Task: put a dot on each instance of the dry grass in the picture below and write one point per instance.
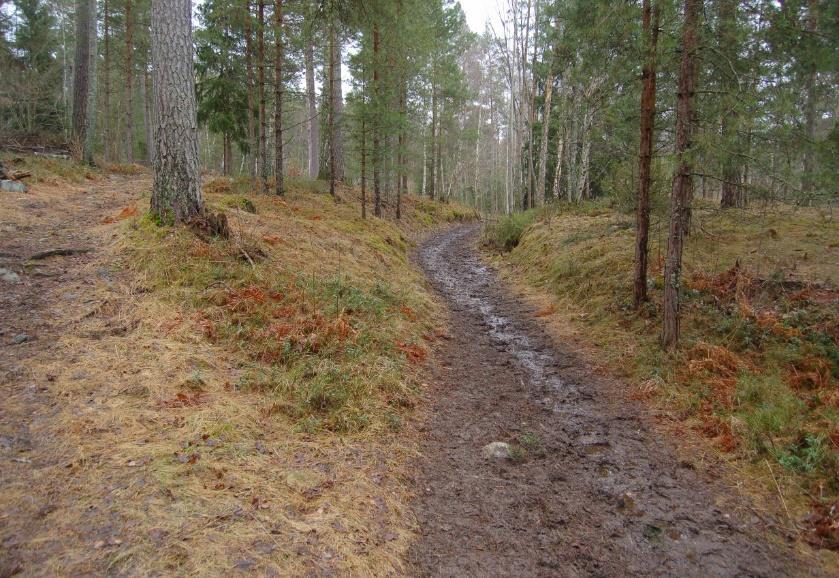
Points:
(757, 371)
(242, 405)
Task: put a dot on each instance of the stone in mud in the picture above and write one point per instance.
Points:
(302, 480)
(8, 186)
(496, 451)
(20, 338)
(9, 276)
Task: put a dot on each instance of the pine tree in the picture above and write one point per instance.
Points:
(683, 179)
(176, 194)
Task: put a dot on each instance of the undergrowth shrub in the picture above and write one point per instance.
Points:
(505, 234)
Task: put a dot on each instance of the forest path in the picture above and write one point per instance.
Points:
(49, 299)
(593, 490)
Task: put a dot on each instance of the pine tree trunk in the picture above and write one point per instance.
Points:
(176, 194)
(333, 170)
(129, 84)
(731, 195)
(263, 117)
(377, 193)
(808, 182)
(312, 123)
(543, 145)
(682, 181)
(645, 154)
(226, 155)
(583, 189)
(433, 165)
(363, 169)
(279, 186)
(252, 146)
(148, 116)
(336, 104)
(106, 88)
(83, 77)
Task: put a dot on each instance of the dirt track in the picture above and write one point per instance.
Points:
(593, 491)
(52, 295)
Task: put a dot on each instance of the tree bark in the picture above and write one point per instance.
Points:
(682, 181)
(730, 194)
(176, 193)
(808, 182)
(433, 165)
(148, 116)
(543, 145)
(377, 193)
(279, 184)
(106, 79)
(263, 117)
(645, 154)
(312, 123)
(84, 72)
(226, 155)
(336, 104)
(400, 174)
(363, 169)
(129, 84)
(252, 146)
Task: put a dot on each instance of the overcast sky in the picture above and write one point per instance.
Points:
(478, 11)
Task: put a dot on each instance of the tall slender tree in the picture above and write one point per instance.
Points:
(263, 117)
(682, 191)
(129, 83)
(650, 23)
(312, 124)
(84, 79)
(279, 183)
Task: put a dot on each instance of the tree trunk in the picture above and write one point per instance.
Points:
(731, 165)
(363, 169)
(400, 170)
(682, 181)
(808, 182)
(84, 78)
(312, 123)
(543, 145)
(226, 155)
(279, 185)
(645, 154)
(252, 146)
(129, 84)
(433, 166)
(583, 191)
(106, 89)
(176, 194)
(336, 103)
(148, 116)
(263, 117)
(377, 193)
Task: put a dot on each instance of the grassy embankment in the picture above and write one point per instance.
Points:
(244, 404)
(758, 364)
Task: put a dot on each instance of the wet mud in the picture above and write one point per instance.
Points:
(591, 488)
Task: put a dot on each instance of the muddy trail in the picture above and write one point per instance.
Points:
(591, 489)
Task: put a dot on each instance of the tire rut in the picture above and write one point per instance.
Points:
(597, 491)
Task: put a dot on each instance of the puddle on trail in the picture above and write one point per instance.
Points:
(470, 288)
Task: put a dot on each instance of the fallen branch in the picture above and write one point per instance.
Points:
(58, 252)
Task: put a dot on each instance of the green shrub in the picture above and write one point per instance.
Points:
(505, 234)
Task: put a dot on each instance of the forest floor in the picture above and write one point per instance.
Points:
(588, 485)
(179, 407)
